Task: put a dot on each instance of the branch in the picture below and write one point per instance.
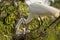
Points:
(57, 20)
(52, 23)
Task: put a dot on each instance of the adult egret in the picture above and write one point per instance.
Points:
(39, 8)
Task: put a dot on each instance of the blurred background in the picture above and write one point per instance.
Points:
(12, 10)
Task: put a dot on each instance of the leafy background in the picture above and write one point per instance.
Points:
(10, 13)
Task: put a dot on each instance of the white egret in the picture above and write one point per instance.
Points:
(39, 8)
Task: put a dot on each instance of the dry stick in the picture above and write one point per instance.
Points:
(52, 23)
(50, 26)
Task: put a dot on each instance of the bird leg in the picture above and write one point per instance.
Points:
(19, 23)
(30, 17)
(24, 30)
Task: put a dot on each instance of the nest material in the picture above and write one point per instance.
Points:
(18, 37)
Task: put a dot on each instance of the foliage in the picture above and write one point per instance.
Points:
(9, 16)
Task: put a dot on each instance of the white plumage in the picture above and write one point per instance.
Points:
(40, 8)
(46, 2)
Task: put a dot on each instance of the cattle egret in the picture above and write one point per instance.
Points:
(40, 8)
